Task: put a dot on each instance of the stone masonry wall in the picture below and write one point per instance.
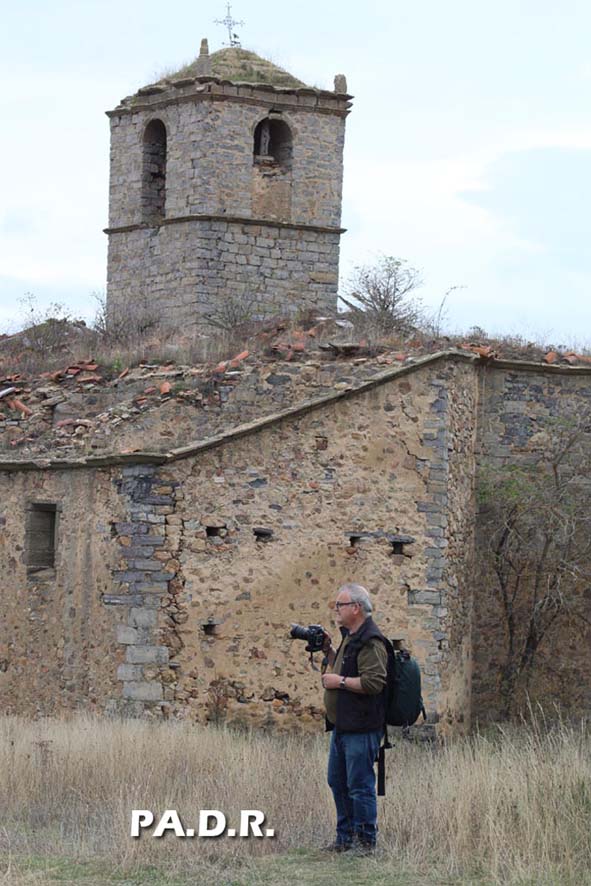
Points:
(175, 583)
(209, 161)
(180, 269)
(176, 273)
(142, 583)
(57, 641)
(187, 608)
(357, 468)
(515, 404)
(271, 192)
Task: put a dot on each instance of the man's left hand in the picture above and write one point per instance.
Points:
(331, 681)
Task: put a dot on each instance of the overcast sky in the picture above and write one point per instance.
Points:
(468, 149)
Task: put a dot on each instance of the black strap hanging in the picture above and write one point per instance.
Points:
(386, 745)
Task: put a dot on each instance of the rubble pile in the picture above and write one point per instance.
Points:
(86, 407)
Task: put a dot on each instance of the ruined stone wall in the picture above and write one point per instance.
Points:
(57, 641)
(359, 467)
(187, 608)
(123, 413)
(195, 259)
(175, 273)
(515, 406)
(166, 600)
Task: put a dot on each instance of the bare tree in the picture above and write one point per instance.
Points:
(382, 296)
(537, 524)
(124, 327)
(236, 314)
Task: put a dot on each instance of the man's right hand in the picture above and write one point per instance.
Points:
(327, 645)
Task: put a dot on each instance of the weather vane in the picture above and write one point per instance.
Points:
(230, 24)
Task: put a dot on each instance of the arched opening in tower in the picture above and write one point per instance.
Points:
(272, 170)
(154, 172)
(273, 142)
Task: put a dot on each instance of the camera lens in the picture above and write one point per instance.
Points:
(299, 632)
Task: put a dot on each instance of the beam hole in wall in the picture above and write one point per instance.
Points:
(262, 534)
(273, 142)
(154, 172)
(41, 535)
(400, 545)
(215, 531)
(210, 627)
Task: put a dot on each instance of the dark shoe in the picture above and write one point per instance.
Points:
(364, 849)
(337, 847)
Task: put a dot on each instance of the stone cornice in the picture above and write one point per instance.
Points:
(546, 368)
(200, 89)
(231, 219)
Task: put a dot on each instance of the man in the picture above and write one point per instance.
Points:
(355, 712)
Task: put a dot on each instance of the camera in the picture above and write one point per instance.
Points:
(313, 635)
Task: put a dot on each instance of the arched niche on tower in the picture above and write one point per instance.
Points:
(154, 144)
(272, 168)
(273, 142)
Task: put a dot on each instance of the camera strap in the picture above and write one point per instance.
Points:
(386, 745)
(381, 773)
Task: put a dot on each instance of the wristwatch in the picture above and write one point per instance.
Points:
(342, 684)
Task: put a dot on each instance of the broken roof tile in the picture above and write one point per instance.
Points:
(14, 403)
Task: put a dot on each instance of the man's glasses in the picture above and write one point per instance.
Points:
(340, 605)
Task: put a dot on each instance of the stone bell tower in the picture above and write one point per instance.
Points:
(225, 187)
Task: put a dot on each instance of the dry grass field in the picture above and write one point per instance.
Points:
(505, 807)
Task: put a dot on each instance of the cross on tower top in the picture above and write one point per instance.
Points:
(230, 24)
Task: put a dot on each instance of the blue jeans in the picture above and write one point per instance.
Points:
(352, 779)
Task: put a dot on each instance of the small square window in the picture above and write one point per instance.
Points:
(40, 536)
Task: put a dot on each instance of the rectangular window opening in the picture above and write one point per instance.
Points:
(40, 537)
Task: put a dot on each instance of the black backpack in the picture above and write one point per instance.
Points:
(404, 702)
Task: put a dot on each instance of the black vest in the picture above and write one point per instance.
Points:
(357, 712)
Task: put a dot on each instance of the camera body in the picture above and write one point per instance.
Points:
(313, 635)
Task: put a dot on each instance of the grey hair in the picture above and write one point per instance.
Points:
(358, 595)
